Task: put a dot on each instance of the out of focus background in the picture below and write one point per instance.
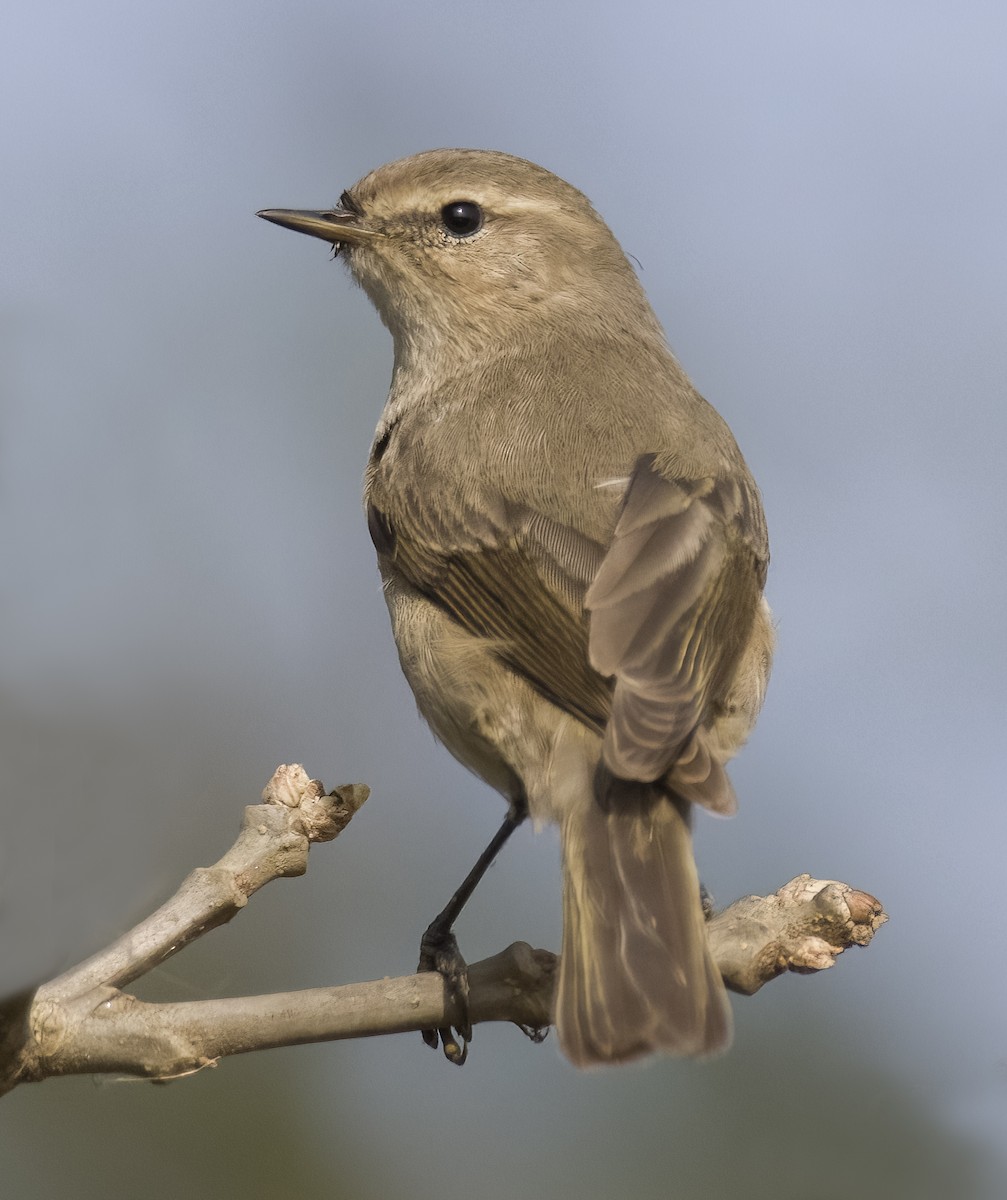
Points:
(815, 195)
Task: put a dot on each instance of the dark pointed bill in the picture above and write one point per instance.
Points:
(335, 226)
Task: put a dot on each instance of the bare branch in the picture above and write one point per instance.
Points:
(163, 1041)
(803, 927)
(51, 1033)
(82, 1023)
(273, 843)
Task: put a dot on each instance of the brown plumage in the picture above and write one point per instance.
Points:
(573, 552)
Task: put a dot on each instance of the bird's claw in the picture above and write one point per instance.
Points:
(439, 952)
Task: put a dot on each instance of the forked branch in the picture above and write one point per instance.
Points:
(84, 1023)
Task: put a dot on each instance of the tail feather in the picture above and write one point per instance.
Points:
(636, 976)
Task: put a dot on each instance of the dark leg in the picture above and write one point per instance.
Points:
(439, 950)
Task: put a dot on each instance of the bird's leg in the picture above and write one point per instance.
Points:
(439, 949)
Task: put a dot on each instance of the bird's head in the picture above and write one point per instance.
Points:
(470, 245)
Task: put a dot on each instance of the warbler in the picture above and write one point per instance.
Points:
(573, 554)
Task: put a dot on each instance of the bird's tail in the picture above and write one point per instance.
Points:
(636, 975)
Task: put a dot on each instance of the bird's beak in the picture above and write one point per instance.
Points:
(336, 226)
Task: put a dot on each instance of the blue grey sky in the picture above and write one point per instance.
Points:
(815, 195)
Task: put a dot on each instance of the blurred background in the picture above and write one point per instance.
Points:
(816, 197)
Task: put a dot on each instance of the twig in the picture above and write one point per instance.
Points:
(83, 1023)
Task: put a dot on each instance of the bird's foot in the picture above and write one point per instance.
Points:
(439, 952)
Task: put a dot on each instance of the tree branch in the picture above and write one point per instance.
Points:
(83, 1023)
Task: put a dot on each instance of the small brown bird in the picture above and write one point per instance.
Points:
(573, 553)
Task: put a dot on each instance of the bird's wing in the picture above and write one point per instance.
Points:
(671, 610)
(668, 605)
(520, 586)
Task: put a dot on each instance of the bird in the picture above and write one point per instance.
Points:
(573, 553)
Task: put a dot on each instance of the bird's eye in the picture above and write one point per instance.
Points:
(462, 218)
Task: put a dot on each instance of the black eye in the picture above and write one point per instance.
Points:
(462, 218)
